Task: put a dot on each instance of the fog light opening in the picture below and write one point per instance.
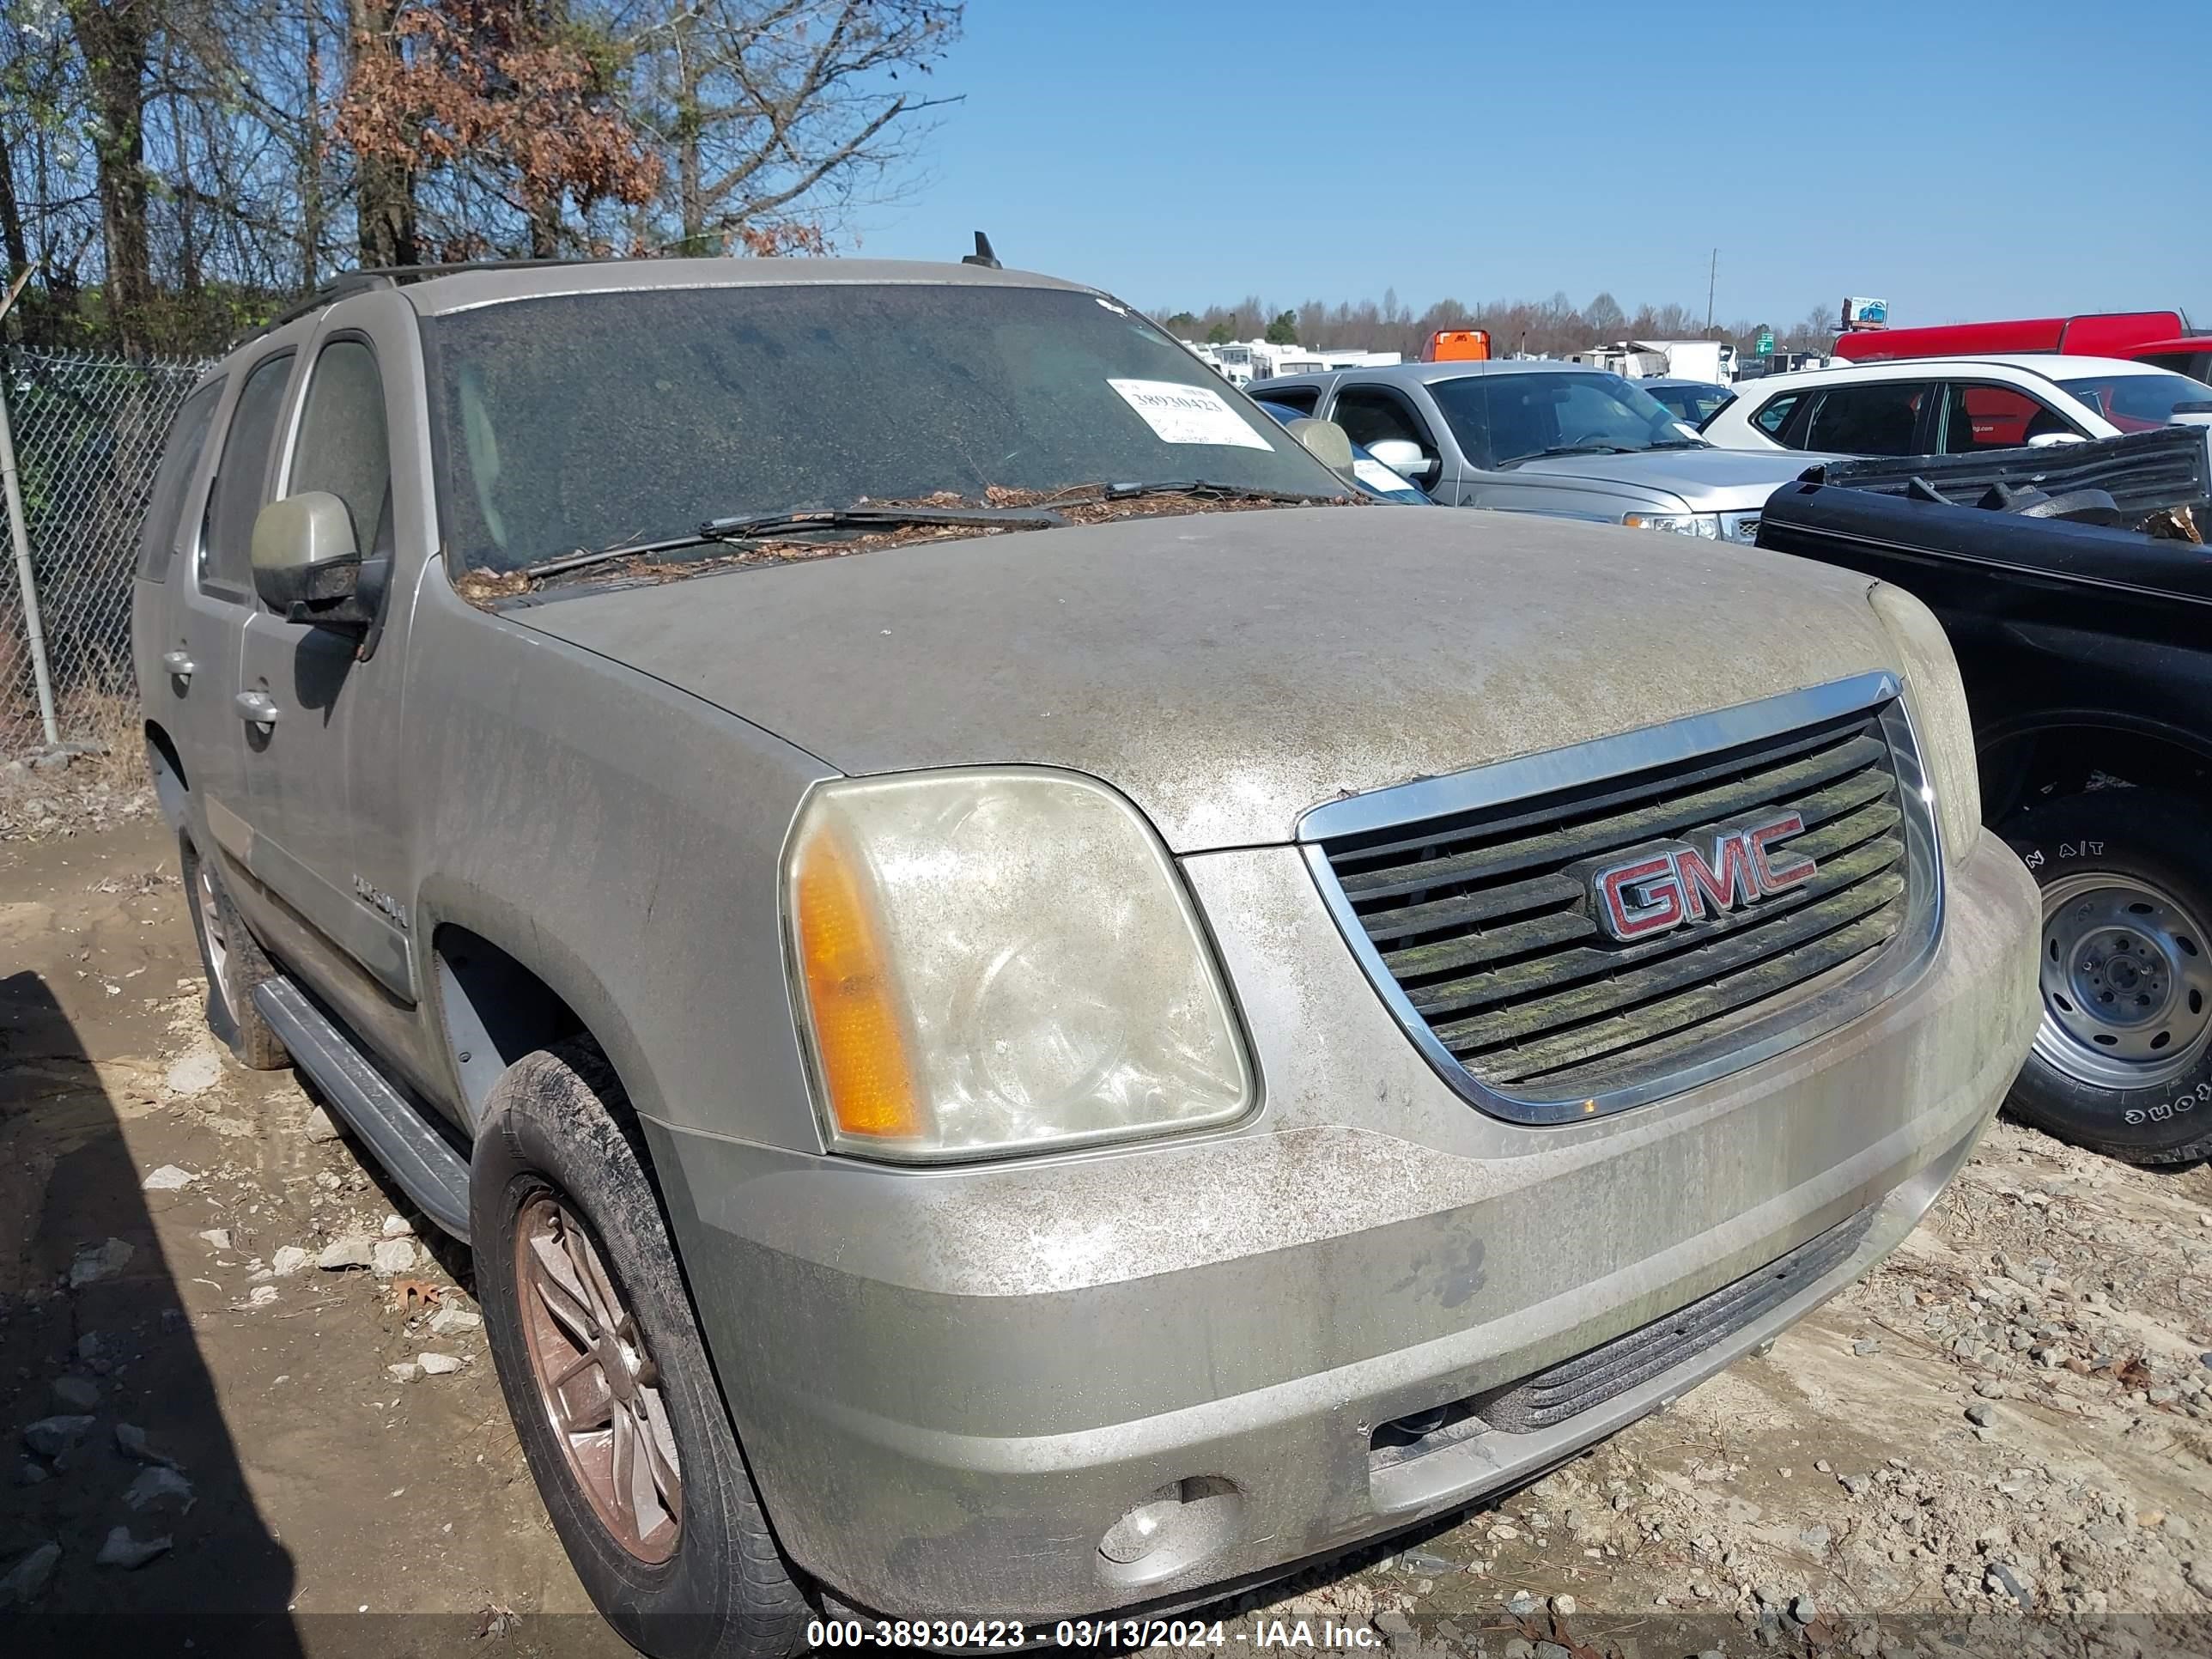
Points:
(1177, 1527)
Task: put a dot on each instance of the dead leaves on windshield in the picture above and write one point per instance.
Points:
(486, 589)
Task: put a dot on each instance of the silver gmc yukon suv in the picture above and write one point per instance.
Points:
(1028, 1008)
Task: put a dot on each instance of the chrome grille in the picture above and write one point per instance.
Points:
(1479, 926)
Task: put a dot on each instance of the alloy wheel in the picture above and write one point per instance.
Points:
(596, 1380)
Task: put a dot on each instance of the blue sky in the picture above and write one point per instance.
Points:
(1959, 159)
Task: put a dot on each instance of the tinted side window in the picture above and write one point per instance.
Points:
(1868, 420)
(1300, 397)
(227, 537)
(1771, 419)
(342, 447)
(180, 459)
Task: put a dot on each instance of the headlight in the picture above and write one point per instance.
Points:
(1000, 960)
(1940, 719)
(1683, 524)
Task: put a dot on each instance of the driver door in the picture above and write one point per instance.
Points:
(305, 686)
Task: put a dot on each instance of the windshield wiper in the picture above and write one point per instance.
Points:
(757, 527)
(1681, 443)
(1585, 449)
(1199, 487)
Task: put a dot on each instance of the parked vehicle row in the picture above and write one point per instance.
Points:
(1547, 438)
(1018, 993)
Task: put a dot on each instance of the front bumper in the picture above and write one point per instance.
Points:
(951, 1384)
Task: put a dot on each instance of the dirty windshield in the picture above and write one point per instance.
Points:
(594, 421)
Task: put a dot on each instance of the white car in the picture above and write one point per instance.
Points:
(1955, 405)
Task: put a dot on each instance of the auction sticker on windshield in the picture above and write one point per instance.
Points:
(1180, 414)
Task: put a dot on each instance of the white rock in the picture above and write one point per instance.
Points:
(260, 1297)
(446, 1321)
(398, 1226)
(393, 1255)
(354, 1252)
(157, 1485)
(437, 1364)
(195, 1074)
(168, 1179)
(217, 1239)
(97, 1262)
(122, 1550)
(405, 1371)
(317, 1126)
(27, 1579)
(288, 1258)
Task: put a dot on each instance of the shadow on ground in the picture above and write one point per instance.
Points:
(121, 1445)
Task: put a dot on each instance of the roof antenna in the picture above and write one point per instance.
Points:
(983, 256)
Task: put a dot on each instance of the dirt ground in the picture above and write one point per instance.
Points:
(2012, 1412)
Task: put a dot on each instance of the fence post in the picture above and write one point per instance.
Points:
(34, 635)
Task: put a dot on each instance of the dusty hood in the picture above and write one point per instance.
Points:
(1709, 480)
(1230, 670)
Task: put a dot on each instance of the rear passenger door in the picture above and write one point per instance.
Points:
(212, 597)
(172, 509)
(1872, 417)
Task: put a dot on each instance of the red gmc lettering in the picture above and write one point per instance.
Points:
(1660, 888)
(1793, 867)
(1640, 898)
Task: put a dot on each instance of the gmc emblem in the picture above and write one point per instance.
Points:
(1663, 886)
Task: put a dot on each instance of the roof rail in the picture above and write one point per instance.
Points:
(369, 278)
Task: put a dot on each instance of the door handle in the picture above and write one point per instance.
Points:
(256, 707)
(179, 664)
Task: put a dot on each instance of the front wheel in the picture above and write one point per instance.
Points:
(606, 1374)
(2123, 1056)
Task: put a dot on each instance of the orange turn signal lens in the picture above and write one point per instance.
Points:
(859, 1046)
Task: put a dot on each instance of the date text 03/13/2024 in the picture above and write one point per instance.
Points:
(973, 1634)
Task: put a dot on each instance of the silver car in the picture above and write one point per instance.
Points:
(1028, 1011)
(1544, 437)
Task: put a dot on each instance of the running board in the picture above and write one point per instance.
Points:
(411, 1151)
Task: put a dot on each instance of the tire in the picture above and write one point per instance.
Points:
(233, 963)
(2126, 877)
(556, 1157)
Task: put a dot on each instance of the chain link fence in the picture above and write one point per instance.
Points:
(88, 430)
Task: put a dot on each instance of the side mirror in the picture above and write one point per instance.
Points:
(306, 566)
(1407, 458)
(1326, 441)
(2053, 439)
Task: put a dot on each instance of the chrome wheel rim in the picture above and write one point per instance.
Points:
(218, 945)
(597, 1384)
(2126, 975)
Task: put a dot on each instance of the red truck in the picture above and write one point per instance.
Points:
(2151, 336)
(2160, 338)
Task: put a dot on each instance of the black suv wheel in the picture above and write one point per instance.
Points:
(2123, 1058)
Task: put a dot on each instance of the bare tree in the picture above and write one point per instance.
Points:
(780, 116)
